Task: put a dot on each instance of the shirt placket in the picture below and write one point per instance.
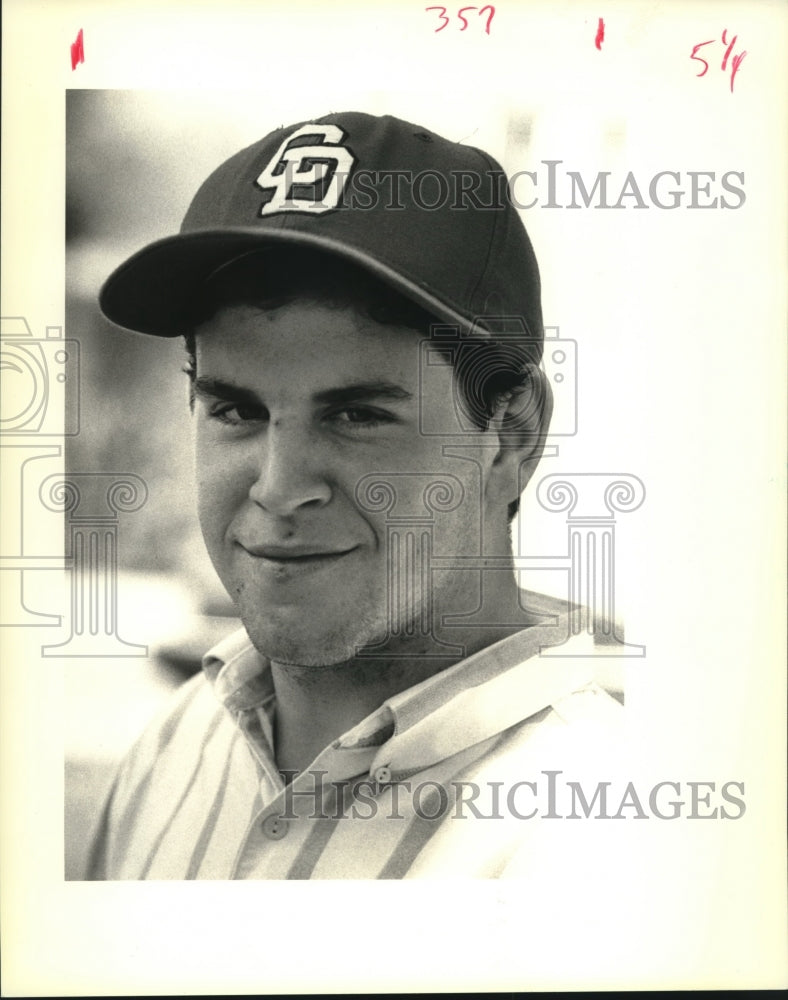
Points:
(278, 834)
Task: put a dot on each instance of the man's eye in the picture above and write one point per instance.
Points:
(361, 416)
(237, 413)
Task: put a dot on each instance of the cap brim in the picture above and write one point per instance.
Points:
(154, 291)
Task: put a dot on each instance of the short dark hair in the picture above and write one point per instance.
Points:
(487, 373)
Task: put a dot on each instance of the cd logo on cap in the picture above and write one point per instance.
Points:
(308, 172)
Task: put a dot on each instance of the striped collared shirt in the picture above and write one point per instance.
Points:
(407, 793)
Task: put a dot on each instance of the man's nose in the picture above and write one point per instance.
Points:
(290, 474)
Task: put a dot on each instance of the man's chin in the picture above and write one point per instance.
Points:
(308, 657)
(325, 650)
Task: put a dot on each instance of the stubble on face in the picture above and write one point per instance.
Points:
(295, 642)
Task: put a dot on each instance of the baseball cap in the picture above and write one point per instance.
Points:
(430, 217)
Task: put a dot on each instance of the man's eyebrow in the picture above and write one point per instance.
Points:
(342, 395)
(218, 389)
(362, 391)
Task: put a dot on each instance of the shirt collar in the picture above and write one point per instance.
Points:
(240, 676)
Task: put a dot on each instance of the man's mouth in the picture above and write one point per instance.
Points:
(296, 555)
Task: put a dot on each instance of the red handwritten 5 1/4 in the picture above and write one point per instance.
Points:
(735, 62)
(446, 19)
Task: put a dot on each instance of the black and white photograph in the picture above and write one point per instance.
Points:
(393, 432)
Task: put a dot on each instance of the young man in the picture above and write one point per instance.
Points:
(360, 303)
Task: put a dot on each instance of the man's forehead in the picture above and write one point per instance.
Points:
(323, 326)
(306, 342)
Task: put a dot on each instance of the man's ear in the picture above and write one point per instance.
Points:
(521, 422)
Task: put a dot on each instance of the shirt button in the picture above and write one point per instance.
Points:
(274, 827)
(382, 775)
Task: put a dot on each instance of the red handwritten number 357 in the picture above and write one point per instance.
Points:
(461, 16)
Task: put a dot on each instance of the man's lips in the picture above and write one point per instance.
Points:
(296, 553)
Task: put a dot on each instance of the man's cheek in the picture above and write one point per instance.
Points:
(214, 506)
(459, 532)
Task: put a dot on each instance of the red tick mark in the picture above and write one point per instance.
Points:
(600, 34)
(77, 51)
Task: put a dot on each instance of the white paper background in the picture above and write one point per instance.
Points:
(681, 315)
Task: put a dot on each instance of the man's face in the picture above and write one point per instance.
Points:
(294, 408)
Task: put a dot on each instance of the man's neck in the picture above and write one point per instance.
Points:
(316, 705)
